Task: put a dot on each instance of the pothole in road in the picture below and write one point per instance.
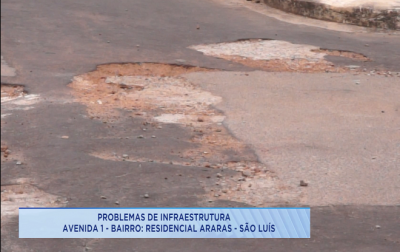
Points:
(279, 56)
(14, 97)
(11, 92)
(140, 89)
(159, 93)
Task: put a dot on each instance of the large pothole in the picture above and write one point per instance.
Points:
(141, 88)
(281, 56)
(160, 94)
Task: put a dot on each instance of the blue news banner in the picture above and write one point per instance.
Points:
(164, 222)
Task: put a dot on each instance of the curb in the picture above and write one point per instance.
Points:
(362, 16)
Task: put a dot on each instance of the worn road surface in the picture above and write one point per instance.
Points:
(78, 131)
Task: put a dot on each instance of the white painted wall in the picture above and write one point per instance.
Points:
(384, 4)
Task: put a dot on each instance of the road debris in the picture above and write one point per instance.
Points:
(4, 148)
(247, 173)
(302, 183)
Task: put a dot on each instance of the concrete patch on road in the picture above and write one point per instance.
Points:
(6, 70)
(280, 56)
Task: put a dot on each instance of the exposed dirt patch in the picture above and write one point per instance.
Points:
(157, 93)
(280, 56)
(296, 65)
(11, 92)
(5, 152)
(4, 147)
(14, 97)
(139, 88)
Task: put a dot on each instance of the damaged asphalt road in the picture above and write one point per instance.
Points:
(78, 149)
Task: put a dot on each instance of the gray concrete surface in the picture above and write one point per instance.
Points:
(338, 132)
(6, 70)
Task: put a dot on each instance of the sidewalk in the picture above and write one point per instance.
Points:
(368, 13)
